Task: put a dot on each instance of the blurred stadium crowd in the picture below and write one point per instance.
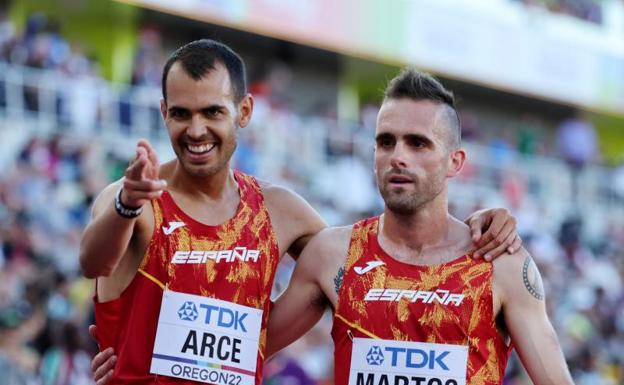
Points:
(588, 10)
(45, 195)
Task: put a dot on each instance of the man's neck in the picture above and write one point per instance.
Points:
(211, 188)
(430, 235)
(427, 227)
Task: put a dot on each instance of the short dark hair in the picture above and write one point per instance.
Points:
(416, 85)
(199, 57)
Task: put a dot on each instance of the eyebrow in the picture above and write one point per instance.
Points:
(209, 107)
(413, 137)
(418, 137)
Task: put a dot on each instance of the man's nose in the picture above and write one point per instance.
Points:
(397, 158)
(197, 128)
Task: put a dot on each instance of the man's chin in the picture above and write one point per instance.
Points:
(201, 170)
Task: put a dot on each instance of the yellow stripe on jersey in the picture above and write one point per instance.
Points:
(152, 278)
(371, 335)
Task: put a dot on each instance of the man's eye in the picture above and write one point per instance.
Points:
(213, 112)
(385, 142)
(177, 114)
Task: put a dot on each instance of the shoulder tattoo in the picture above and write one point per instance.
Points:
(532, 279)
(338, 280)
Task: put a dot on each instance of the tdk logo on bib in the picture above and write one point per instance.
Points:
(375, 356)
(214, 315)
(224, 317)
(418, 358)
(383, 362)
(188, 311)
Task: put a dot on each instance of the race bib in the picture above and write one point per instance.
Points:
(206, 340)
(375, 362)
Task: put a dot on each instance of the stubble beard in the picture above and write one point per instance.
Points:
(403, 202)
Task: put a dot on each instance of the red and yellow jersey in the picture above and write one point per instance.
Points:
(446, 305)
(234, 262)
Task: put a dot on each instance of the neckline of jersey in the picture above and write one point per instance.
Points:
(242, 192)
(390, 260)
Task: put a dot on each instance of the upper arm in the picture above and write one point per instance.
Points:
(300, 306)
(294, 220)
(309, 291)
(518, 281)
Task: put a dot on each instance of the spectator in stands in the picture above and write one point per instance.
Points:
(578, 145)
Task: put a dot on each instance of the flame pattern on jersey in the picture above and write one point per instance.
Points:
(234, 279)
(470, 323)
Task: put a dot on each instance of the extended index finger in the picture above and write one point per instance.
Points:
(152, 156)
(137, 166)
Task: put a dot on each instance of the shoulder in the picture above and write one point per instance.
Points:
(333, 239)
(508, 264)
(277, 196)
(517, 276)
(328, 247)
(286, 206)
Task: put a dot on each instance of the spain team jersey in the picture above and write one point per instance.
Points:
(397, 323)
(214, 284)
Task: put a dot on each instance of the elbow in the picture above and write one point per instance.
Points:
(89, 270)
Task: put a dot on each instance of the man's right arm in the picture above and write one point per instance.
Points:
(107, 237)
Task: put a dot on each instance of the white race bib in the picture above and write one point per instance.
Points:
(375, 362)
(206, 339)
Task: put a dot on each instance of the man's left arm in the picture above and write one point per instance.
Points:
(494, 233)
(518, 285)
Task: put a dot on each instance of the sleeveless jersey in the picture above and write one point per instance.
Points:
(385, 299)
(242, 258)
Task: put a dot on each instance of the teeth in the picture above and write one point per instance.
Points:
(200, 148)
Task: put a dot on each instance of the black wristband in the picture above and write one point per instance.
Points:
(126, 211)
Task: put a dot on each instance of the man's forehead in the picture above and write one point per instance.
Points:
(214, 85)
(404, 114)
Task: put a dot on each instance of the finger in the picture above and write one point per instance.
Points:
(500, 250)
(104, 380)
(146, 185)
(496, 224)
(137, 166)
(93, 332)
(152, 156)
(475, 230)
(100, 358)
(103, 370)
(506, 233)
(515, 246)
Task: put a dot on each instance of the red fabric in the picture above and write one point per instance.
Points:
(471, 323)
(129, 323)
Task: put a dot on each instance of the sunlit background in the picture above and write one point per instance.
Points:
(540, 85)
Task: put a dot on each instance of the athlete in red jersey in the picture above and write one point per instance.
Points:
(206, 236)
(186, 252)
(410, 304)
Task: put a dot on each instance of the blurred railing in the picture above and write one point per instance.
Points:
(280, 142)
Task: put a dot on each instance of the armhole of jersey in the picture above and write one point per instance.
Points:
(346, 271)
(254, 184)
(157, 225)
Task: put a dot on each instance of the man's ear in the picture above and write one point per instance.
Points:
(163, 108)
(245, 110)
(457, 159)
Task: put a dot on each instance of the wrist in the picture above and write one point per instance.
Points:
(125, 210)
